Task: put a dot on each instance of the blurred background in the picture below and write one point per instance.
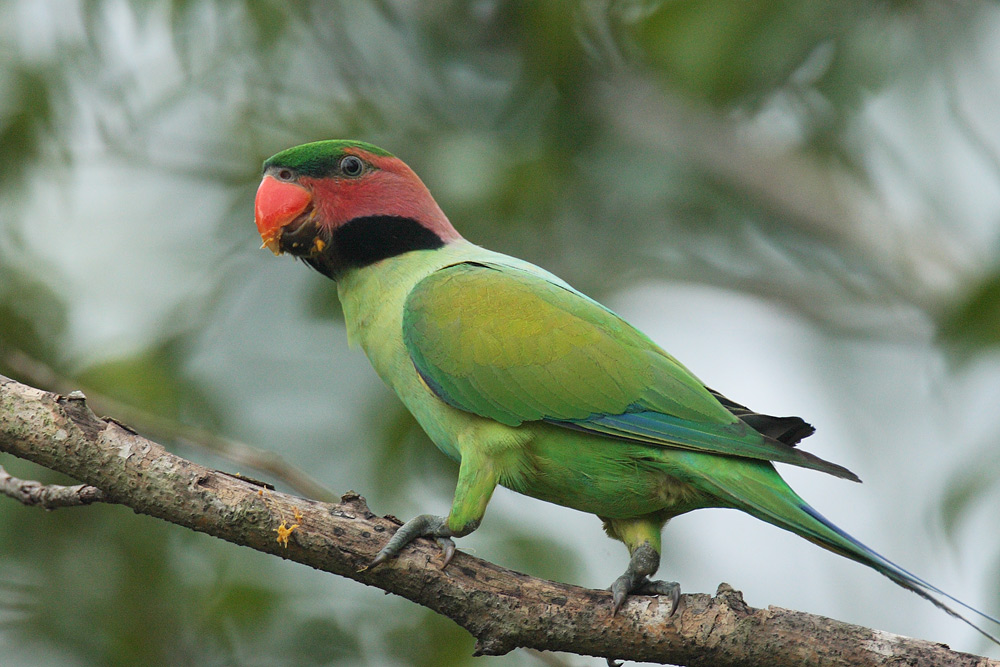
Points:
(800, 200)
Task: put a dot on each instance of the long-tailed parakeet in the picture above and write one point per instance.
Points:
(528, 383)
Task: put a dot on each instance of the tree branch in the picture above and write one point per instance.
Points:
(503, 609)
(47, 496)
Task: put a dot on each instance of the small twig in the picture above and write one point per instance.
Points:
(48, 496)
(168, 429)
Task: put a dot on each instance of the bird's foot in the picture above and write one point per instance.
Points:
(644, 562)
(660, 587)
(626, 585)
(424, 525)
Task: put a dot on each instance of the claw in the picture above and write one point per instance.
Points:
(619, 591)
(671, 588)
(447, 549)
(380, 558)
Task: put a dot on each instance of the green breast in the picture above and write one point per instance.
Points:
(372, 299)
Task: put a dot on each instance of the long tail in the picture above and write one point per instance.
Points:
(769, 498)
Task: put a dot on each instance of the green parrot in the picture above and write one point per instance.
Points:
(528, 383)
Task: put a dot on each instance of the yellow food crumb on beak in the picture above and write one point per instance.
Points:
(272, 243)
(318, 245)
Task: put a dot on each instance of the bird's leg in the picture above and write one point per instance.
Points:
(472, 493)
(644, 562)
(642, 537)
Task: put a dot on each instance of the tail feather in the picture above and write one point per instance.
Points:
(788, 430)
(770, 499)
(863, 554)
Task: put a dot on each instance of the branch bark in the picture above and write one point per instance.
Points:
(503, 609)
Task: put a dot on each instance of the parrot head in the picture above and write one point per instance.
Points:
(340, 205)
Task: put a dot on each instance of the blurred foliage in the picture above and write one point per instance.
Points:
(403, 451)
(33, 316)
(28, 114)
(152, 381)
(732, 52)
(432, 640)
(965, 494)
(777, 149)
(974, 324)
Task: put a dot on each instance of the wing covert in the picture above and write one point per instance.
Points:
(514, 346)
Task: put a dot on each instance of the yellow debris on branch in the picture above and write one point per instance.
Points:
(285, 530)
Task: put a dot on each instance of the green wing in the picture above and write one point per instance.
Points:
(514, 346)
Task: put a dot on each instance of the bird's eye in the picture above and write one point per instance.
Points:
(284, 174)
(352, 166)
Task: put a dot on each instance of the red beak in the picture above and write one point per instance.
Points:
(277, 204)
